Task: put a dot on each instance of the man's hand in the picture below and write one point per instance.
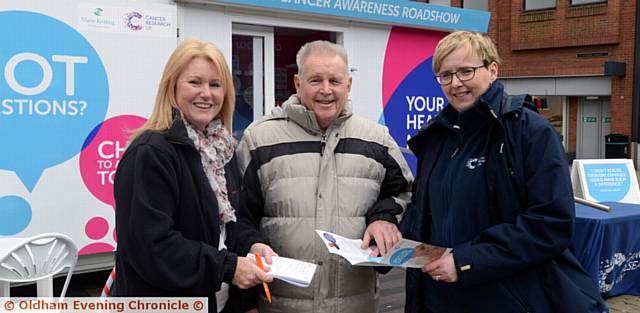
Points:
(386, 235)
(264, 250)
(443, 269)
(248, 274)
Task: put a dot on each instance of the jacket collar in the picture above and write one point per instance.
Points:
(177, 133)
(304, 117)
(490, 102)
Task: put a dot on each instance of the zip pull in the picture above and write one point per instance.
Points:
(501, 147)
(453, 155)
(458, 133)
(323, 143)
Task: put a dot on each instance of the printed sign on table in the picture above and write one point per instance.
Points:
(605, 180)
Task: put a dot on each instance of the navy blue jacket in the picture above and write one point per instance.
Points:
(522, 263)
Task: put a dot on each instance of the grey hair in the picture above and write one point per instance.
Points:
(321, 46)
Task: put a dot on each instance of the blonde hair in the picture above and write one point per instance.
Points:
(321, 46)
(478, 43)
(162, 117)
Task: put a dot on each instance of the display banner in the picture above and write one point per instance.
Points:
(605, 180)
(394, 12)
(410, 93)
(76, 78)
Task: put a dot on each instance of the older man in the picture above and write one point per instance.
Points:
(312, 164)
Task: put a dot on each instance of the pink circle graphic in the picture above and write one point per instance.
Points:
(96, 228)
(97, 247)
(102, 151)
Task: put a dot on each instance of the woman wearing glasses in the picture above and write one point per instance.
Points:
(493, 184)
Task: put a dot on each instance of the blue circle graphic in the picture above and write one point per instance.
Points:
(401, 256)
(607, 182)
(16, 215)
(329, 237)
(53, 91)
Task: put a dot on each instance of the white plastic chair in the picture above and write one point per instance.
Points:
(36, 259)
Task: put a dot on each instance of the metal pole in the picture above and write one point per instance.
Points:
(593, 204)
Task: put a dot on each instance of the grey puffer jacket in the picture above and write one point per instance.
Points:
(297, 179)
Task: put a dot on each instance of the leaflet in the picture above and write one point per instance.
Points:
(405, 253)
(292, 271)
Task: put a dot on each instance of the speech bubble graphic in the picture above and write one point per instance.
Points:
(102, 152)
(53, 91)
(16, 215)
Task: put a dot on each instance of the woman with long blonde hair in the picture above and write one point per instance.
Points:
(181, 230)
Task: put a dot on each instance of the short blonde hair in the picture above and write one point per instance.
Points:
(162, 117)
(478, 43)
(321, 46)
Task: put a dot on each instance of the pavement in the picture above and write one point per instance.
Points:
(392, 296)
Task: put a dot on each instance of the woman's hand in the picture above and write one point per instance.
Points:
(264, 250)
(248, 274)
(443, 269)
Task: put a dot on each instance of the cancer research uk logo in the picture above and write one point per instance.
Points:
(133, 20)
(136, 21)
(53, 92)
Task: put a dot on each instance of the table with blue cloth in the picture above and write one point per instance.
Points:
(608, 246)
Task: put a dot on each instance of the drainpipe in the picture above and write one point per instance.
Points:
(635, 101)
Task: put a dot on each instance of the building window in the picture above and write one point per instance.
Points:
(578, 2)
(446, 3)
(551, 108)
(539, 4)
(482, 5)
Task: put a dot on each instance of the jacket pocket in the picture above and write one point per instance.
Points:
(514, 295)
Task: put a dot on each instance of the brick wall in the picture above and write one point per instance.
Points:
(573, 124)
(547, 43)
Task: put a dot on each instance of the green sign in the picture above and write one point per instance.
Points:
(607, 119)
(589, 119)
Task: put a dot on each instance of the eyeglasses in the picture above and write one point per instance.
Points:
(463, 74)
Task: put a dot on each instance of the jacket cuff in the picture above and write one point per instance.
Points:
(385, 210)
(230, 263)
(382, 217)
(463, 261)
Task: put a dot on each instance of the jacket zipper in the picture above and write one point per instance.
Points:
(323, 143)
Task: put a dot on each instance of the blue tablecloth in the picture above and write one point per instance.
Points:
(608, 246)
